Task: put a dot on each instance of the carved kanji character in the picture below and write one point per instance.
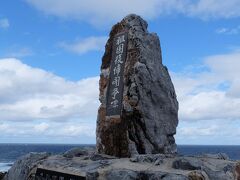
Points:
(120, 39)
(114, 93)
(116, 81)
(117, 69)
(119, 49)
(118, 59)
(114, 103)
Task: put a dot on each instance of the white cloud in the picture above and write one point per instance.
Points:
(28, 94)
(229, 31)
(211, 132)
(105, 12)
(86, 45)
(206, 9)
(3, 127)
(198, 131)
(51, 106)
(41, 127)
(36, 103)
(49, 129)
(77, 130)
(211, 94)
(96, 12)
(4, 23)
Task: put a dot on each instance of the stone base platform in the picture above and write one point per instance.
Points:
(78, 164)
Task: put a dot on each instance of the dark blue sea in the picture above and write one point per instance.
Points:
(10, 152)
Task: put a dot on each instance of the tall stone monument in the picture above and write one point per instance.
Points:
(139, 110)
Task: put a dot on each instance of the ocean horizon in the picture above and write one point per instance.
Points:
(10, 152)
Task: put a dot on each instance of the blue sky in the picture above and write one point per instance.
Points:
(50, 57)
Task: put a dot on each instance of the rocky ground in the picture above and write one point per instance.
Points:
(2, 174)
(88, 164)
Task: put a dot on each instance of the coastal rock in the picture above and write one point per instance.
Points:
(150, 158)
(96, 157)
(149, 117)
(143, 167)
(198, 175)
(143, 175)
(76, 152)
(214, 168)
(2, 174)
(237, 171)
(216, 156)
(23, 166)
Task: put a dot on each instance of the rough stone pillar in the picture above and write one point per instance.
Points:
(149, 110)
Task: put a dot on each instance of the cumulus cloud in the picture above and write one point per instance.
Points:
(34, 102)
(28, 94)
(86, 45)
(37, 103)
(4, 23)
(206, 9)
(49, 129)
(96, 12)
(107, 11)
(3, 127)
(211, 132)
(211, 94)
(41, 127)
(199, 131)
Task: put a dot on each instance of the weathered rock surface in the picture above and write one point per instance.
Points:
(75, 152)
(22, 168)
(93, 166)
(150, 108)
(2, 174)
